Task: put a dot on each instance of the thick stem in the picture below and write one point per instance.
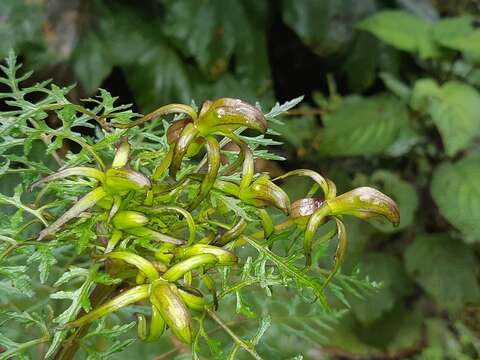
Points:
(70, 346)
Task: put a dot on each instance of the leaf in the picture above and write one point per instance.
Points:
(297, 131)
(445, 268)
(404, 31)
(455, 189)
(387, 270)
(21, 23)
(91, 61)
(280, 109)
(18, 278)
(454, 110)
(79, 299)
(154, 70)
(361, 63)
(364, 126)
(46, 259)
(326, 26)
(458, 33)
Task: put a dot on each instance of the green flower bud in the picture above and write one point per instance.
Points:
(153, 235)
(145, 266)
(193, 301)
(121, 156)
(167, 299)
(224, 257)
(157, 326)
(127, 219)
(232, 234)
(75, 171)
(180, 269)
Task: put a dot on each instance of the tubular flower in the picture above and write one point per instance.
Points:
(169, 301)
(113, 183)
(362, 202)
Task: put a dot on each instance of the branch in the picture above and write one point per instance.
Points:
(244, 345)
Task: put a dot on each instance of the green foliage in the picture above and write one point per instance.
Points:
(124, 242)
(364, 126)
(445, 268)
(415, 35)
(461, 203)
(404, 118)
(453, 109)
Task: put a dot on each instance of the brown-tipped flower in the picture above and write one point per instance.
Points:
(119, 180)
(175, 129)
(364, 203)
(167, 299)
(83, 204)
(74, 171)
(264, 192)
(228, 114)
(302, 208)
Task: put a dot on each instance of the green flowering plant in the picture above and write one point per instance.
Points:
(171, 227)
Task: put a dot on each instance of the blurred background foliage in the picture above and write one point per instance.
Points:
(391, 99)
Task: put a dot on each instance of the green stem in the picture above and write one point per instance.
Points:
(244, 345)
(6, 355)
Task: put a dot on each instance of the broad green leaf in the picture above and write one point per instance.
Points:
(445, 268)
(458, 33)
(387, 270)
(361, 63)
(20, 23)
(396, 86)
(404, 31)
(154, 70)
(364, 126)
(456, 190)
(91, 61)
(326, 26)
(454, 111)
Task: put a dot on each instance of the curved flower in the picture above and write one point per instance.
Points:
(362, 202)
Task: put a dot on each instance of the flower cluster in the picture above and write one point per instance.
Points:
(163, 242)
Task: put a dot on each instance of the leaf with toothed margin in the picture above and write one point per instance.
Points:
(455, 189)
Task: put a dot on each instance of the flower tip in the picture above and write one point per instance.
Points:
(365, 202)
